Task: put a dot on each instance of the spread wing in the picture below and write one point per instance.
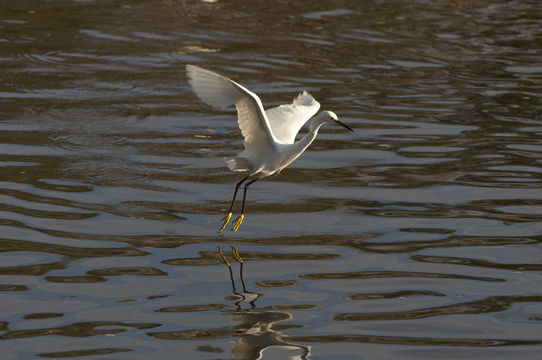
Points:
(287, 120)
(219, 91)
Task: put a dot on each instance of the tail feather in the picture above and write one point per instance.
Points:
(238, 164)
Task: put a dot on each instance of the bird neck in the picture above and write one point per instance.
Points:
(314, 125)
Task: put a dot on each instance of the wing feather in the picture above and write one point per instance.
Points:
(287, 120)
(221, 92)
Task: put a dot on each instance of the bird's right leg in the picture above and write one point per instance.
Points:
(227, 218)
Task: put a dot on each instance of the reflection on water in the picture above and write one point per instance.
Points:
(256, 329)
(418, 236)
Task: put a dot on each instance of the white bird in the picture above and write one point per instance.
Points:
(269, 136)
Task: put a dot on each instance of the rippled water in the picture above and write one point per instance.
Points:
(416, 237)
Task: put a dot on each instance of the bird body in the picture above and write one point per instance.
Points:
(268, 161)
(269, 136)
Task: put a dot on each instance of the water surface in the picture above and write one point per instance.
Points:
(416, 237)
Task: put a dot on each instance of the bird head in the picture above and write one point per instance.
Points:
(333, 118)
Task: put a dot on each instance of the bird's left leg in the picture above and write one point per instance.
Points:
(239, 220)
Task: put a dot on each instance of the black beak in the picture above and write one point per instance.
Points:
(344, 125)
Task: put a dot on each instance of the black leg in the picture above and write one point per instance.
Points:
(235, 192)
(245, 194)
(239, 220)
(227, 218)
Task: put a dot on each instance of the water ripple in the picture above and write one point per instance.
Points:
(424, 222)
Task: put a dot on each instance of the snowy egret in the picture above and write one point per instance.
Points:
(269, 135)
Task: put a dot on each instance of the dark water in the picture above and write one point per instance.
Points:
(416, 237)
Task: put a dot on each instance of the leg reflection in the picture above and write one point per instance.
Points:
(229, 268)
(239, 259)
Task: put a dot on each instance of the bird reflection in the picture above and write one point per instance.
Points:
(255, 327)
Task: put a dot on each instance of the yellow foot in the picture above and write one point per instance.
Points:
(236, 255)
(238, 222)
(226, 220)
(223, 257)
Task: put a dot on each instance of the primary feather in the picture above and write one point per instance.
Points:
(219, 91)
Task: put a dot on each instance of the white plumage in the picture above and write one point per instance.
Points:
(287, 120)
(269, 136)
